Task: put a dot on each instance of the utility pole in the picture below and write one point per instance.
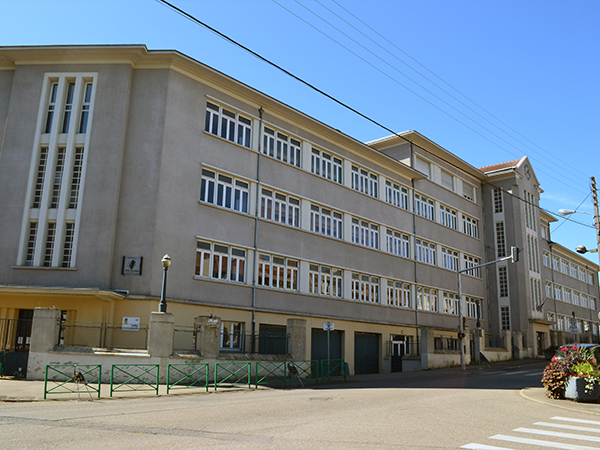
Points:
(596, 215)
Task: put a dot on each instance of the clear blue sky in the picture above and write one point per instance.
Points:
(532, 69)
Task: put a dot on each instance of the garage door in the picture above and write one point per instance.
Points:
(366, 353)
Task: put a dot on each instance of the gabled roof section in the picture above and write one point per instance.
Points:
(500, 166)
(522, 167)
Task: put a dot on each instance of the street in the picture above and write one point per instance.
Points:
(438, 409)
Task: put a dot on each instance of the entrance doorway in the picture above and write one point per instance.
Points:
(400, 346)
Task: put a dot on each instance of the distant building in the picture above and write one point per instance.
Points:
(112, 156)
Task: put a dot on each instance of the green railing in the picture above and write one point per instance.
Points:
(305, 371)
(272, 373)
(333, 369)
(234, 373)
(69, 378)
(133, 377)
(186, 376)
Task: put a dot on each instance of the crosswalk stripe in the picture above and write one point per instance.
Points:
(534, 374)
(541, 443)
(569, 419)
(568, 427)
(484, 447)
(514, 373)
(580, 437)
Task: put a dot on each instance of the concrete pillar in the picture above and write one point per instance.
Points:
(467, 344)
(160, 339)
(517, 344)
(427, 346)
(208, 339)
(45, 330)
(296, 330)
(478, 343)
(507, 338)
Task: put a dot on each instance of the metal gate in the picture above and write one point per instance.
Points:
(318, 351)
(15, 336)
(366, 353)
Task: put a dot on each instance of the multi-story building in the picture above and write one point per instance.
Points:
(112, 156)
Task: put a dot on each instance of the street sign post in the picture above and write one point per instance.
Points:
(328, 326)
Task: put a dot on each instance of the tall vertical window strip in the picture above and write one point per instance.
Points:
(280, 208)
(326, 165)
(67, 255)
(31, 239)
(58, 176)
(85, 107)
(281, 147)
(228, 125)
(40, 177)
(323, 280)
(68, 107)
(502, 281)
(365, 288)
(500, 240)
(498, 202)
(224, 191)
(364, 181)
(398, 243)
(504, 318)
(50, 239)
(424, 207)
(51, 107)
(76, 178)
(396, 195)
(398, 294)
(220, 262)
(277, 272)
(325, 221)
(365, 233)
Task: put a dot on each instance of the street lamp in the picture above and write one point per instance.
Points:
(166, 262)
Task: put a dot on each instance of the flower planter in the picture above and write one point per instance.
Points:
(575, 390)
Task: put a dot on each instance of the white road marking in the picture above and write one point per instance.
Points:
(484, 447)
(568, 427)
(503, 437)
(579, 437)
(569, 419)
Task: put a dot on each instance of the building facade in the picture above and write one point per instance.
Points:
(112, 156)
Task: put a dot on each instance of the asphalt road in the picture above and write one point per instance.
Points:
(439, 409)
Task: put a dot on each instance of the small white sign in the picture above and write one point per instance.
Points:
(328, 326)
(130, 324)
(132, 265)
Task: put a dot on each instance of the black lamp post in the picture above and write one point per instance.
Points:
(166, 262)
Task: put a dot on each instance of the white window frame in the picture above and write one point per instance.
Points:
(365, 288)
(325, 280)
(326, 221)
(365, 233)
(280, 208)
(399, 294)
(326, 165)
(277, 272)
(450, 259)
(424, 207)
(220, 261)
(396, 195)
(228, 125)
(398, 243)
(224, 190)
(364, 181)
(470, 226)
(448, 217)
(472, 261)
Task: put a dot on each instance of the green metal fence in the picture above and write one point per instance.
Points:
(133, 377)
(233, 373)
(186, 376)
(270, 373)
(333, 369)
(71, 378)
(305, 370)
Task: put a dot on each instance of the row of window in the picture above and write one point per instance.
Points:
(68, 107)
(228, 263)
(55, 247)
(565, 323)
(568, 268)
(572, 296)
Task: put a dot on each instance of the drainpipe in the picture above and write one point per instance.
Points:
(260, 128)
(412, 164)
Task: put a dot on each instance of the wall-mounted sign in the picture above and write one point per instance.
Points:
(130, 324)
(132, 265)
(328, 326)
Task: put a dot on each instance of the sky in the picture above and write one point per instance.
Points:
(490, 81)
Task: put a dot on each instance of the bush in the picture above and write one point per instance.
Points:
(554, 379)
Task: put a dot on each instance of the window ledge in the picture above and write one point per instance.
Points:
(67, 269)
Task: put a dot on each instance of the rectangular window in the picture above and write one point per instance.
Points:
(424, 207)
(365, 234)
(231, 335)
(398, 294)
(225, 191)
(564, 266)
(281, 147)
(68, 247)
(323, 280)
(280, 208)
(470, 227)
(58, 176)
(68, 107)
(584, 301)
(365, 288)
(470, 261)
(556, 263)
(31, 239)
(76, 178)
(546, 260)
(220, 262)
(498, 203)
(471, 306)
(364, 181)
(398, 243)
(590, 279)
(423, 167)
(277, 272)
(468, 192)
(85, 108)
(576, 298)
(557, 292)
(396, 195)
(500, 240)
(50, 239)
(447, 180)
(228, 125)
(40, 177)
(325, 221)
(427, 299)
(449, 259)
(502, 281)
(51, 107)
(448, 217)
(450, 303)
(425, 252)
(326, 165)
(504, 318)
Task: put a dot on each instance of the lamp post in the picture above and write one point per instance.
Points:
(166, 262)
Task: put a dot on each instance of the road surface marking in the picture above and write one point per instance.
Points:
(569, 419)
(568, 427)
(503, 437)
(580, 437)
